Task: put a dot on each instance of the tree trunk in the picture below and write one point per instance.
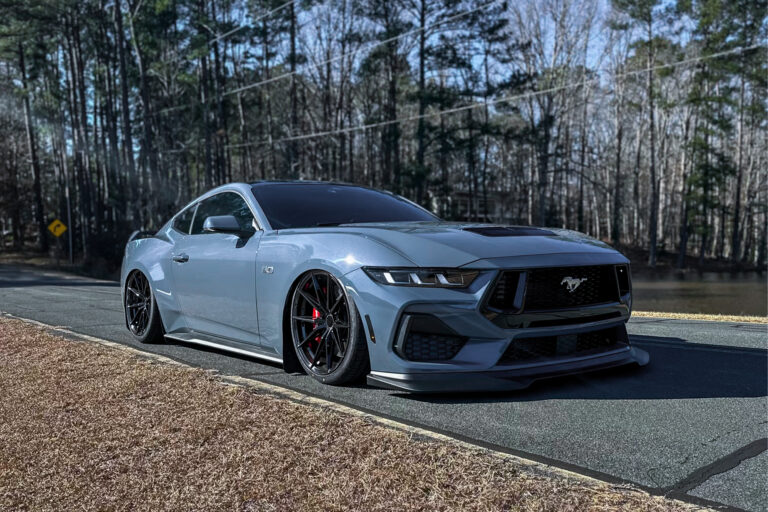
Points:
(131, 204)
(422, 126)
(393, 129)
(149, 154)
(32, 143)
(616, 226)
(293, 148)
(654, 199)
(735, 242)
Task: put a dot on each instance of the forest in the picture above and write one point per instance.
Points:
(640, 122)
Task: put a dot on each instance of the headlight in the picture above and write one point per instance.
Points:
(430, 277)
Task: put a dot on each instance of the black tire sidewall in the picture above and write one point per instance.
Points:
(154, 330)
(356, 356)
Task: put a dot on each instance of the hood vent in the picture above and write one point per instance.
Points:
(509, 231)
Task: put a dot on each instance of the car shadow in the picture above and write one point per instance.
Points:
(26, 277)
(274, 367)
(678, 369)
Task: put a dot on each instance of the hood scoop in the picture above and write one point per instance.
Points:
(509, 231)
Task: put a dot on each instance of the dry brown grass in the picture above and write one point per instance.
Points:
(87, 427)
(699, 316)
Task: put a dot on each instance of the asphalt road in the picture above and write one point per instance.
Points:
(693, 424)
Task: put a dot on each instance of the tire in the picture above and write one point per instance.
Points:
(141, 315)
(326, 331)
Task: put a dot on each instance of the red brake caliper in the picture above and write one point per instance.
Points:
(315, 316)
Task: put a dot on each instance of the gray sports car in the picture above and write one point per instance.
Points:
(341, 281)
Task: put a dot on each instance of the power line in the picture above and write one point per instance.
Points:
(224, 36)
(338, 57)
(497, 101)
(258, 19)
(380, 43)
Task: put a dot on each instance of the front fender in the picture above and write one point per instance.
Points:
(283, 258)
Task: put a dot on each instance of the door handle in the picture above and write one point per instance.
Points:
(181, 258)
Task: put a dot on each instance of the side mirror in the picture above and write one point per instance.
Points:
(225, 224)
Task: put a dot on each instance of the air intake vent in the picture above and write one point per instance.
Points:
(505, 297)
(509, 231)
(426, 338)
(622, 274)
(566, 345)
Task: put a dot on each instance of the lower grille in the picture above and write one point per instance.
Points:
(565, 345)
(574, 320)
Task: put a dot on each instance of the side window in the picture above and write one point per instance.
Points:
(226, 203)
(183, 221)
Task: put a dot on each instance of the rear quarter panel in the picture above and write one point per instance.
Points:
(152, 256)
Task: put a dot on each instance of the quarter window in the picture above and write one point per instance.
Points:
(225, 203)
(183, 221)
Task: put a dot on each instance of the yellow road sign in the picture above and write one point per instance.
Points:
(57, 227)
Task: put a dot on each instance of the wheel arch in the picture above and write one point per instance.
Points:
(290, 359)
(150, 256)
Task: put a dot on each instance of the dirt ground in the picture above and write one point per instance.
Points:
(88, 427)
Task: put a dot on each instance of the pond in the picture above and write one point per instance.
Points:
(710, 293)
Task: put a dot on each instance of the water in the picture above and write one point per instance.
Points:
(711, 293)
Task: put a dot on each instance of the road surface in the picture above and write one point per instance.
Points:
(692, 425)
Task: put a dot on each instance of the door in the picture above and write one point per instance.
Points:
(215, 273)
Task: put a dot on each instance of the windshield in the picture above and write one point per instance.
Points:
(300, 205)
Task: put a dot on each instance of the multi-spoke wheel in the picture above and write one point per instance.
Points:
(326, 330)
(141, 314)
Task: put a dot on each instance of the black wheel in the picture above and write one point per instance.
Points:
(325, 326)
(141, 313)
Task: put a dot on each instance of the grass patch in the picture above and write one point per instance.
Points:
(88, 427)
(700, 316)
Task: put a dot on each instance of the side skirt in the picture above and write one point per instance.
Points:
(224, 344)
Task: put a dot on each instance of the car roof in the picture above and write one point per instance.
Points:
(308, 182)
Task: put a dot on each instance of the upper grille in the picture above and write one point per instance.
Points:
(546, 288)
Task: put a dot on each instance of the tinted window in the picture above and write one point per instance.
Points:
(226, 203)
(183, 221)
(298, 205)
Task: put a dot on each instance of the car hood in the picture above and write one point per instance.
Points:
(446, 244)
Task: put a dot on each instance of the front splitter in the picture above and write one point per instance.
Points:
(506, 379)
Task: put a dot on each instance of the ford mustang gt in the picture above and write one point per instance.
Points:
(343, 281)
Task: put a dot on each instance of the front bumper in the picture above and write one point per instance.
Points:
(506, 379)
(480, 362)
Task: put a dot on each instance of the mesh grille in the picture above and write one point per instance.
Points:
(431, 347)
(548, 288)
(546, 347)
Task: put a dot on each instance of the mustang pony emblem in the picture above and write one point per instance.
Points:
(572, 282)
